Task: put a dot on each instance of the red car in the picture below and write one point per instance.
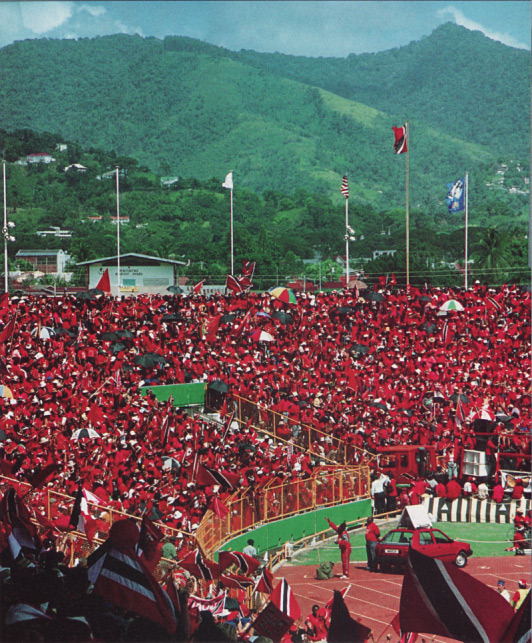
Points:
(392, 549)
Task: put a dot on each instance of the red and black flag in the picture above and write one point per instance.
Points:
(22, 533)
(401, 135)
(345, 188)
(283, 598)
(235, 581)
(265, 582)
(246, 563)
(438, 598)
(200, 567)
(209, 477)
(233, 284)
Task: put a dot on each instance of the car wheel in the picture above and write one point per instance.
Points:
(461, 559)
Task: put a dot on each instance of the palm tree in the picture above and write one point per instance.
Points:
(490, 255)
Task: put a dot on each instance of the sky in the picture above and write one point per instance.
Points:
(303, 28)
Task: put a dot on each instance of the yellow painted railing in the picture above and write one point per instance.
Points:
(327, 486)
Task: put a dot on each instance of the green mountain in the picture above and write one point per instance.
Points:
(191, 109)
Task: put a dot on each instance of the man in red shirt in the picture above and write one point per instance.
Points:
(316, 624)
(372, 536)
(344, 544)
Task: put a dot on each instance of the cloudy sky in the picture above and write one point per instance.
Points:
(302, 28)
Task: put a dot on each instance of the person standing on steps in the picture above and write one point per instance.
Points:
(344, 544)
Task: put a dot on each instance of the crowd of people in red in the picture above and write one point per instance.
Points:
(368, 372)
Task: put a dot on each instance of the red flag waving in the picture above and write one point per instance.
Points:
(283, 598)
(438, 598)
(200, 567)
(7, 330)
(401, 135)
(246, 563)
(38, 479)
(105, 282)
(233, 284)
(265, 582)
(210, 477)
(197, 288)
(235, 581)
(121, 577)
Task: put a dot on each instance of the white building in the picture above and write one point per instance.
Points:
(138, 273)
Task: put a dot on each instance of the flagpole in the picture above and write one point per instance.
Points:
(232, 242)
(407, 135)
(118, 230)
(6, 264)
(466, 226)
(347, 242)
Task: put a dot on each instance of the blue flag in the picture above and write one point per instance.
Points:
(456, 195)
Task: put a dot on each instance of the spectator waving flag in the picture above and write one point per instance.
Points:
(345, 189)
(456, 195)
(401, 143)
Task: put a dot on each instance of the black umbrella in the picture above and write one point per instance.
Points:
(110, 336)
(149, 360)
(425, 298)
(284, 317)
(360, 348)
(344, 310)
(95, 291)
(463, 398)
(379, 405)
(430, 328)
(84, 295)
(3, 435)
(64, 331)
(175, 290)
(219, 386)
(170, 317)
(374, 296)
(502, 417)
(124, 334)
(116, 348)
(228, 318)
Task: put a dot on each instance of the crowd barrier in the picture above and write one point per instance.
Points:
(474, 510)
(254, 507)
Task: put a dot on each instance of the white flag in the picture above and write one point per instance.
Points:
(228, 183)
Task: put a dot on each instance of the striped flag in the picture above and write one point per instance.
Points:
(210, 477)
(345, 189)
(438, 598)
(200, 567)
(401, 135)
(246, 563)
(215, 605)
(283, 598)
(265, 582)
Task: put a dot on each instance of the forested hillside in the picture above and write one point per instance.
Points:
(189, 219)
(190, 109)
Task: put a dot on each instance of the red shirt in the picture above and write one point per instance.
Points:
(372, 532)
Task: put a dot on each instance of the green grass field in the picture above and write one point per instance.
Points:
(486, 539)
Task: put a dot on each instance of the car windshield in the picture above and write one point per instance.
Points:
(398, 537)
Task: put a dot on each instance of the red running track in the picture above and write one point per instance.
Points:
(374, 597)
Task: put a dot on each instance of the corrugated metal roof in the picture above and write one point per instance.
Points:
(131, 255)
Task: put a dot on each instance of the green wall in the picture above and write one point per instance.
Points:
(275, 534)
(183, 394)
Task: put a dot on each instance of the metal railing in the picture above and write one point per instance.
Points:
(327, 486)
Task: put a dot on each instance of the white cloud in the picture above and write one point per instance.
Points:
(94, 11)
(460, 19)
(41, 17)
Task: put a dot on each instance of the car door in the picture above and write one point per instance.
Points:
(427, 545)
(445, 548)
